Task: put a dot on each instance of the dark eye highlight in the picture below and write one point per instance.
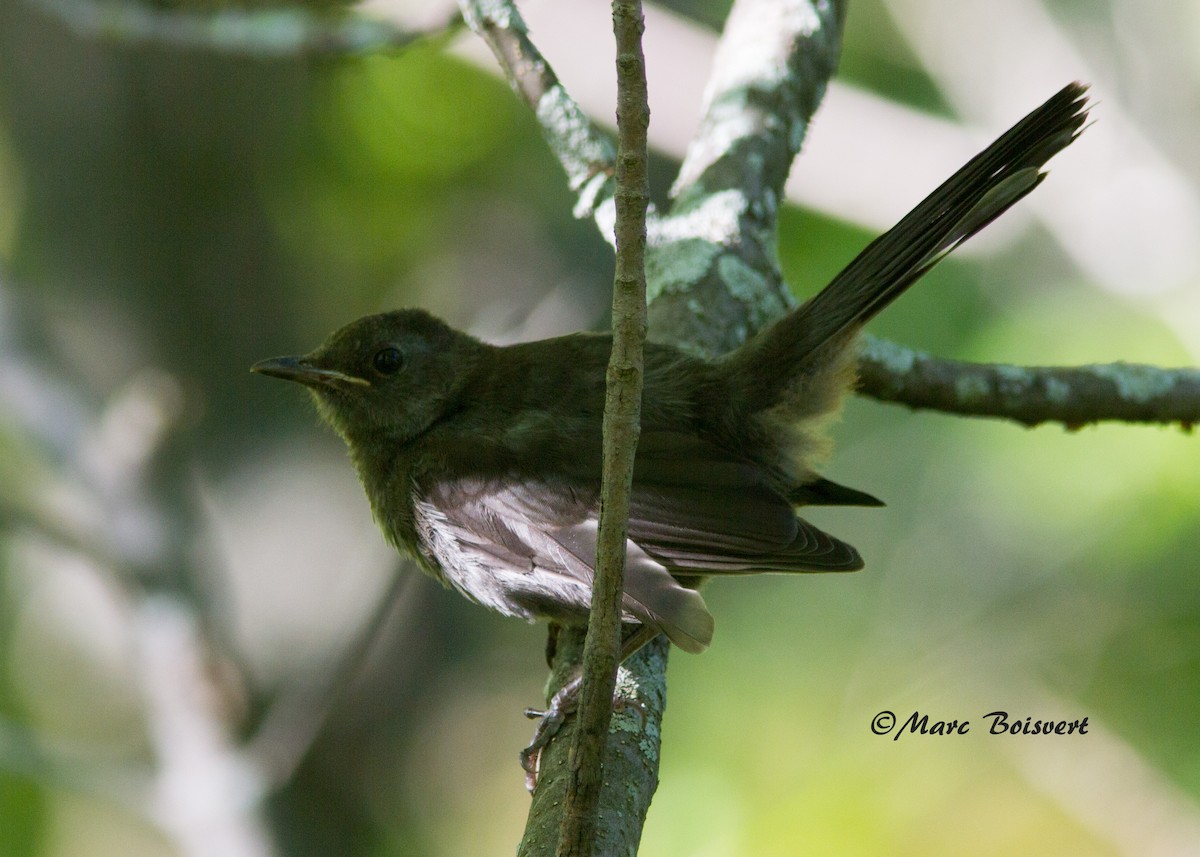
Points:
(387, 361)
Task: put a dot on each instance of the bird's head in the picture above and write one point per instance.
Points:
(388, 376)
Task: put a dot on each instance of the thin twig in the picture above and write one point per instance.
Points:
(622, 425)
(295, 720)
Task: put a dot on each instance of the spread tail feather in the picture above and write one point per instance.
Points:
(983, 189)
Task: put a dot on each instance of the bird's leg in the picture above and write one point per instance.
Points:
(563, 704)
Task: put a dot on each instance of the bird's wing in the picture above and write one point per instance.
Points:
(697, 507)
(527, 547)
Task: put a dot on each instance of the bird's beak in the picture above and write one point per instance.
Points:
(298, 370)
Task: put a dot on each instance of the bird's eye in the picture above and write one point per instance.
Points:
(387, 361)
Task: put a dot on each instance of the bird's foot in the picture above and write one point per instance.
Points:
(562, 705)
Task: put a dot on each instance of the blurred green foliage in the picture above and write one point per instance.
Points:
(24, 802)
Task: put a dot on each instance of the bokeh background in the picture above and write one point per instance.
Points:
(187, 563)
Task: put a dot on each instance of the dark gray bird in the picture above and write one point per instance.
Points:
(483, 462)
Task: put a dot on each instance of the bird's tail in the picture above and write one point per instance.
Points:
(969, 200)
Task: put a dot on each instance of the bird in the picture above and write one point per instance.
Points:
(483, 462)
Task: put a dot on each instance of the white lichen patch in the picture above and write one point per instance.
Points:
(589, 195)
(1014, 380)
(1057, 391)
(971, 387)
(677, 264)
(897, 359)
(1136, 383)
(605, 217)
(570, 133)
(726, 123)
(715, 218)
(758, 40)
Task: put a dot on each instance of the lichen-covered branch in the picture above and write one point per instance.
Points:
(585, 153)
(769, 74)
(713, 274)
(263, 33)
(631, 765)
(1071, 395)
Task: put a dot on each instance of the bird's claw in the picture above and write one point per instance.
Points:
(562, 705)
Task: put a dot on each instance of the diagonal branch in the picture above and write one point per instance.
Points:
(585, 153)
(769, 74)
(262, 33)
(716, 250)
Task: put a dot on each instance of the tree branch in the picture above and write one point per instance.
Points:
(585, 153)
(262, 33)
(1074, 395)
(622, 426)
(712, 269)
(631, 763)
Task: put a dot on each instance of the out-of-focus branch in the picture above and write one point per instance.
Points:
(585, 153)
(203, 792)
(1071, 395)
(295, 718)
(263, 33)
(207, 793)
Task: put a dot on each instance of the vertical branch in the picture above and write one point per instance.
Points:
(622, 418)
(714, 273)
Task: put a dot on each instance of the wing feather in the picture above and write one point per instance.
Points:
(525, 545)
